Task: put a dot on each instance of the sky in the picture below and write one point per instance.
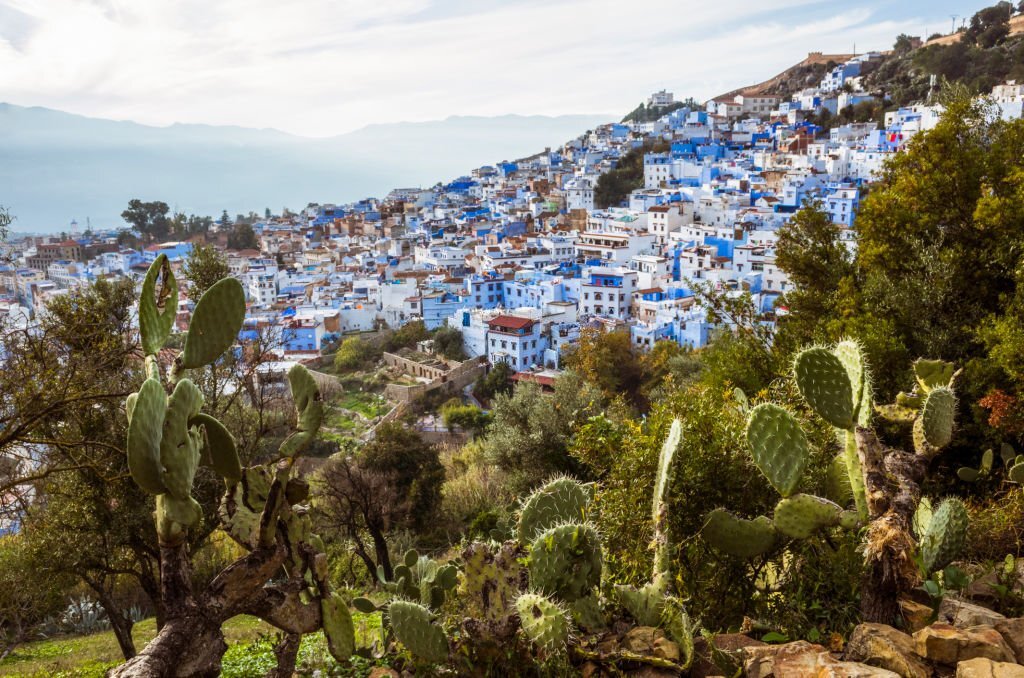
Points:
(324, 67)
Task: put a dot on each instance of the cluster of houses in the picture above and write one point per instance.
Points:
(520, 256)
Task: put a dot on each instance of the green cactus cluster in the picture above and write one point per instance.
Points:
(930, 408)
(169, 437)
(544, 621)
(416, 578)
(413, 625)
(546, 583)
(942, 534)
(1013, 462)
(836, 385)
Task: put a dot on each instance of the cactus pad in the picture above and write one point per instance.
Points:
(945, 535)
(179, 445)
(243, 503)
(158, 305)
(566, 560)
(491, 579)
(558, 501)
(851, 355)
(338, 627)
(645, 604)
(737, 536)
(215, 323)
(309, 409)
(937, 416)
(932, 374)
(802, 515)
(413, 626)
(544, 622)
(145, 429)
(218, 448)
(825, 385)
(778, 445)
(1016, 473)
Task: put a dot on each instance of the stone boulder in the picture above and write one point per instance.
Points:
(947, 645)
(1012, 631)
(981, 667)
(887, 648)
(732, 644)
(963, 614)
(916, 615)
(805, 660)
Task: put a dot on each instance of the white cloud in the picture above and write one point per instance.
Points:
(321, 67)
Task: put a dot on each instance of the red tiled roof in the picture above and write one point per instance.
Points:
(510, 322)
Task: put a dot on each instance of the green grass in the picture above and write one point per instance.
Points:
(369, 405)
(250, 651)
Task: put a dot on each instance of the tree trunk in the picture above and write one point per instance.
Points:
(380, 548)
(120, 623)
(892, 479)
(191, 645)
(286, 651)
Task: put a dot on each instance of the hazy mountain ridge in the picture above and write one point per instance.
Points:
(55, 166)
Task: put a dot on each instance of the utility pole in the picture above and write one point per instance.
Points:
(954, 17)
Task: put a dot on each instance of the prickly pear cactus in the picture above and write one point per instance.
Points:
(544, 622)
(937, 415)
(944, 538)
(566, 561)
(169, 437)
(560, 500)
(215, 323)
(932, 374)
(825, 384)
(802, 515)
(738, 536)
(492, 578)
(413, 625)
(778, 446)
(158, 305)
(422, 578)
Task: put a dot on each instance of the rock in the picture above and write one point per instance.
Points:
(590, 670)
(732, 644)
(948, 645)
(759, 661)
(666, 649)
(983, 589)
(1012, 631)
(811, 664)
(916, 615)
(963, 614)
(641, 639)
(986, 668)
(885, 647)
(383, 672)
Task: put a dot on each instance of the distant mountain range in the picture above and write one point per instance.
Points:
(55, 166)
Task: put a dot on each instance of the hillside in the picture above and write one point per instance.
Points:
(55, 166)
(806, 73)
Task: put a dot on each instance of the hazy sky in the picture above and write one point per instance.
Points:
(322, 67)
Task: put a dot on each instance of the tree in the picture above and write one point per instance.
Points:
(466, 417)
(408, 335)
(148, 218)
(352, 353)
(28, 594)
(530, 432)
(628, 174)
(204, 266)
(391, 483)
(607, 360)
(448, 342)
(810, 251)
(497, 381)
(904, 43)
(242, 237)
(989, 26)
